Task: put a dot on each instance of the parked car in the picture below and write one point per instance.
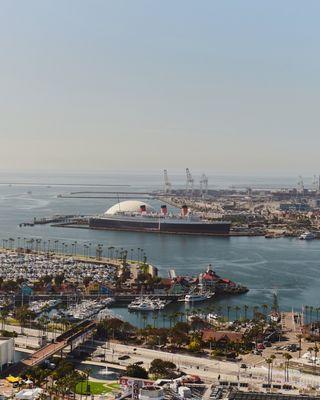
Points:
(125, 357)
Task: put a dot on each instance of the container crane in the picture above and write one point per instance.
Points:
(300, 185)
(167, 183)
(316, 183)
(190, 181)
(203, 186)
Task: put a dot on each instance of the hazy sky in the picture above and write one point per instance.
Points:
(231, 86)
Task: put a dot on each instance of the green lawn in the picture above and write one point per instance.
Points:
(97, 387)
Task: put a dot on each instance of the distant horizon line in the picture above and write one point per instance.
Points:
(159, 171)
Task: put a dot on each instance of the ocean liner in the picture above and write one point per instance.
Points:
(133, 215)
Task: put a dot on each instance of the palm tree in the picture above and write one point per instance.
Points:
(237, 309)
(316, 351)
(56, 245)
(311, 313)
(4, 313)
(171, 318)
(272, 357)
(175, 317)
(265, 308)
(181, 315)
(306, 309)
(144, 317)
(87, 372)
(255, 311)
(228, 312)
(269, 362)
(154, 317)
(245, 308)
(11, 241)
(299, 337)
(164, 318)
(287, 358)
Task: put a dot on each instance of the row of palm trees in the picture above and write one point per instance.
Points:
(239, 313)
(53, 324)
(229, 312)
(314, 349)
(287, 357)
(270, 362)
(62, 386)
(310, 312)
(87, 249)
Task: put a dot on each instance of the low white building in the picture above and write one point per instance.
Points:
(151, 393)
(6, 352)
(29, 394)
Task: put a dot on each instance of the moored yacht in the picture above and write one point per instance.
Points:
(307, 236)
(147, 304)
(197, 297)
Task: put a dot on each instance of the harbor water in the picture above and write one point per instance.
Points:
(287, 265)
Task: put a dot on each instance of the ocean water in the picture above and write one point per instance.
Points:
(288, 266)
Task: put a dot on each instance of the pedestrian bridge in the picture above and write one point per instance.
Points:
(71, 338)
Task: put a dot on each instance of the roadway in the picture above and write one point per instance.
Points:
(209, 370)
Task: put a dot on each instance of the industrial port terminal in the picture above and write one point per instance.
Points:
(198, 209)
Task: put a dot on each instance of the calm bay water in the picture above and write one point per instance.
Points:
(289, 266)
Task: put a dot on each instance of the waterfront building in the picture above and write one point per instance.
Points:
(179, 285)
(209, 280)
(221, 338)
(6, 352)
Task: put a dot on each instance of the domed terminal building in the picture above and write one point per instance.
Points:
(129, 207)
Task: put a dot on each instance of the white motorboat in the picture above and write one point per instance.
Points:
(212, 318)
(147, 304)
(307, 236)
(197, 297)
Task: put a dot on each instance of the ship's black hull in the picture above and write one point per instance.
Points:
(211, 229)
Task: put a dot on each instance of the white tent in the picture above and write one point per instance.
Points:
(29, 394)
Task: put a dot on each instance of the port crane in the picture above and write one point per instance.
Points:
(203, 186)
(300, 184)
(190, 181)
(316, 183)
(167, 183)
